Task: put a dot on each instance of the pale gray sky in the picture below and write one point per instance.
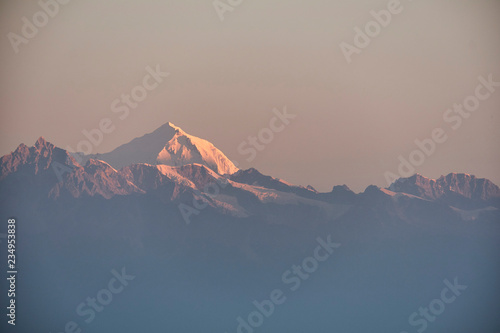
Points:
(353, 120)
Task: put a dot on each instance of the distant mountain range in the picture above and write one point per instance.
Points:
(205, 239)
(171, 158)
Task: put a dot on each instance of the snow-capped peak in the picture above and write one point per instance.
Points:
(169, 145)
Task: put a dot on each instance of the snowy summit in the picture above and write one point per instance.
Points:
(169, 145)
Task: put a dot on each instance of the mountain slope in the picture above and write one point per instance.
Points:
(30, 161)
(254, 177)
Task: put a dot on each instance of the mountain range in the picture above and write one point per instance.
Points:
(171, 158)
(206, 238)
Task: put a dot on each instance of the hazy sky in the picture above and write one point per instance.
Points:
(353, 119)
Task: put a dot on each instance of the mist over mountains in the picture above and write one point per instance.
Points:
(205, 239)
